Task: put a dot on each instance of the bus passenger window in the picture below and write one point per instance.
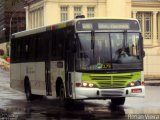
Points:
(31, 48)
(23, 53)
(17, 50)
(42, 47)
(59, 44)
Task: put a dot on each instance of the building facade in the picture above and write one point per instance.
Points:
(12, 19)
(148, 14)
(45, 12)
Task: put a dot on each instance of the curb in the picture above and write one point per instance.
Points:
(152, 82)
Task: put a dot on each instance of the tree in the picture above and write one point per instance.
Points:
(11, 3)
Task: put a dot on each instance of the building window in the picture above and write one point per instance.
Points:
(17, 22)
(158, 26)
(36, 18)
(147, 25)
(30, 20)
(64, 13)
(40, 20)
(77, 11)
(90, 11)
(145, 20)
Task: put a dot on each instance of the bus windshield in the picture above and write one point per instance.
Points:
(111, 51)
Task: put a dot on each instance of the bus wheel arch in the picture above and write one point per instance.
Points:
(27, 88)
(59, 88)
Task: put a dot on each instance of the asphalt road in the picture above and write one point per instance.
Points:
(13, 106)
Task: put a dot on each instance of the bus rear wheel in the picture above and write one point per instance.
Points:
(28, 93)
(118, 101)
(65, 102)
(62, 93)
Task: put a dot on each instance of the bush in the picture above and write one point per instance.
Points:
(4, 56)
(1, 52)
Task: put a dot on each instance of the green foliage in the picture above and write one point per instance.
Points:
(4, 56)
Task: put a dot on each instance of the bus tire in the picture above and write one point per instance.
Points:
(62, 93)
(117, 101)
(28, 92)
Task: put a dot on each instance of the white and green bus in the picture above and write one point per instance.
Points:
(95, 58)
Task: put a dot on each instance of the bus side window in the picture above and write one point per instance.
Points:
(17, 50)
(23, 55)
(58, 44)
(31, 48)
(42, 47)
(53, 48)
(13, 51)
(69, 49)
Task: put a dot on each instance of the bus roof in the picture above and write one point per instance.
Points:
(61, 25)
(43, 29)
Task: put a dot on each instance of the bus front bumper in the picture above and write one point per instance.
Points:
(96, 93)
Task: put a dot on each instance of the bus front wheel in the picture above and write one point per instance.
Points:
(28, 93)
(118, 101)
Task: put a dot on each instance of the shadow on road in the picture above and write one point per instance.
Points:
(54, 110)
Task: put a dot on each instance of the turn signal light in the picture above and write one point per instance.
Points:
(142, 83)
(78, 84)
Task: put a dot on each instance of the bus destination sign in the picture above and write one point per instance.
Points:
(113, 26)
(88, 25)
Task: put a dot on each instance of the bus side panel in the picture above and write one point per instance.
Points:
(40, 84)
(28, 70)
(23, 73)
(35, 71)
(57, 71)
(15, 80)
(76, 78)
(142, 76)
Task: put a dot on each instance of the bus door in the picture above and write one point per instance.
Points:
(68, 81)
(69, 66)
(48, 78)
(48, 64)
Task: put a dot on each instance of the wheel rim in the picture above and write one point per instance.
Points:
(27, 94)
(62, 93)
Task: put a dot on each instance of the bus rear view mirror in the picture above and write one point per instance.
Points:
(143, 54)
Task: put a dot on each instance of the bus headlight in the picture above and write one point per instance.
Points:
(90, 84)
(134, 83)
(86, 84)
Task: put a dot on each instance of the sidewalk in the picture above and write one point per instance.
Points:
(4, 64)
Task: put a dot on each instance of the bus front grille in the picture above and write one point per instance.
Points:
(112, 80)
